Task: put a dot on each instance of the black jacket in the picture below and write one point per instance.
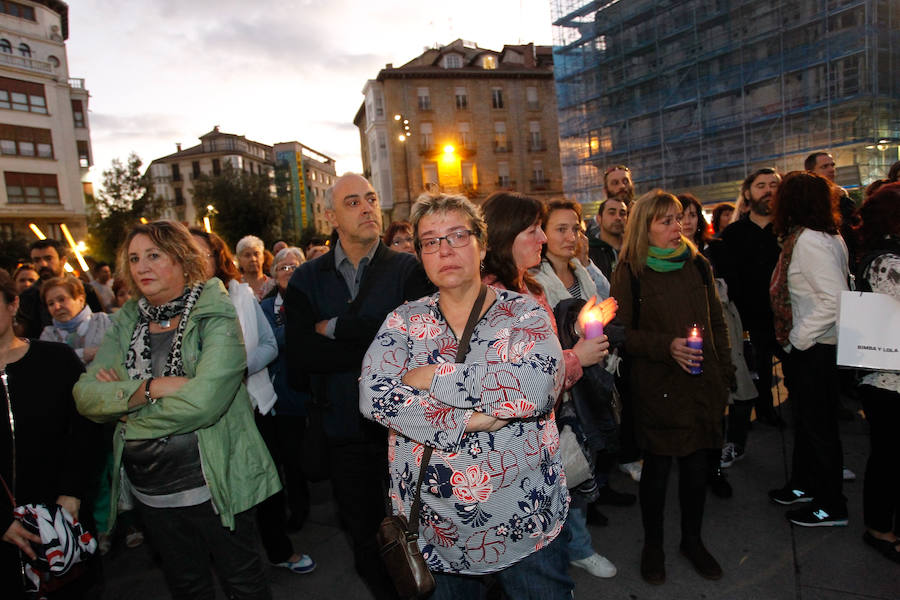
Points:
(745, 259)
(603, 255)
(317, 292)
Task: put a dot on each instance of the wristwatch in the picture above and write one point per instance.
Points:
(150, 399)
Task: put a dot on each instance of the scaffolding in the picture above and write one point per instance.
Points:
(694, 94)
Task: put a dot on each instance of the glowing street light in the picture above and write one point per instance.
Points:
(37, 231)
(449, 149)
(74, 246)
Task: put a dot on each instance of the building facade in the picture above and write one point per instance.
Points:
(461, 119)
(302, 175)
(45, 141)
(695, 94)
(173, 176)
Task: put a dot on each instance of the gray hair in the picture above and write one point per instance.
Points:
(285, 253)
(328, 202)
(429, 204)
(249, 241)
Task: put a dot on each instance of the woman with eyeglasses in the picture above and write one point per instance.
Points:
(262, 349)
(289, 421)
(494, 496)
(399, 237)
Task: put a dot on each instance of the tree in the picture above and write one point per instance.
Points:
(127, 195)
(244, 204)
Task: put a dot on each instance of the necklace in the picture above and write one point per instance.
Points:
(165, 323)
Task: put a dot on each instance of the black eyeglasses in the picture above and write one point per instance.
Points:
(455, 239)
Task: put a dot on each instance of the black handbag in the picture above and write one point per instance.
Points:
(397, 537)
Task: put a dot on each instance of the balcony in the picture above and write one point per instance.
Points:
(537, 147)
(26, 63)
(539, 185)
(426, 149)
(533, 105)
(502, 147)
(76, 83)
(505, 183)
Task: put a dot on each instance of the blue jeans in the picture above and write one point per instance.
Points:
(580, 544)
(543, 575)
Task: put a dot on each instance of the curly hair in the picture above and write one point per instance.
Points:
(808, 200)
(225, 267)
(507, 215)
(71, 284)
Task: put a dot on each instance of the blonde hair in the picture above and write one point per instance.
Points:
(174, 240)
(646, 209)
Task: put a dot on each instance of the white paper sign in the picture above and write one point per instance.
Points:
(869, 331)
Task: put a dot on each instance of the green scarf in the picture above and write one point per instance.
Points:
(663, 260)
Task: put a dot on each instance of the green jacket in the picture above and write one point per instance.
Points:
(236, 464)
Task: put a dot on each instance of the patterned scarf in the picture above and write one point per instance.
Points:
(138, 360)
(779, 294)
(663, 260)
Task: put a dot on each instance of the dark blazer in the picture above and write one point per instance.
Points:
(675, 413)
(317, 292)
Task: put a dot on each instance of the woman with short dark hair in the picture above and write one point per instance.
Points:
(809, 277)
(74, 323)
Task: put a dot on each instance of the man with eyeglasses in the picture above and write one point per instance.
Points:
(746, 259)
(334, 306)
(606, 232)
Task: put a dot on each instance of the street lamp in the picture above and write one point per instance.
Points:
(404, 135)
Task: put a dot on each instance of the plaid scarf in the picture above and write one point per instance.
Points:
(779, 294)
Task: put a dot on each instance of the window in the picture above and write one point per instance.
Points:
(25, 50)
(195, 168)
(84, 154)
(5, 46)
(16, 140)
(469, 179)
(31, 188)
(179, 197)
(424, 97)
(217, 168)
(17, 10)
(426, 141)
(503, 175)
(22, 95)
(78, 113)
(531, 98)
(537, 174)
(453, 61)
(497, 97)
(536, 142)
(489, 62)
(176, 173)
(379, 106)
(53, 61)
(501, 144)
(430, 176)
(465, 140)
(462, 99)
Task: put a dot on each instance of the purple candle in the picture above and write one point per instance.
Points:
(695, 340)
(593, 329)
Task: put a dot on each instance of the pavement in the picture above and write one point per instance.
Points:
(762, 555)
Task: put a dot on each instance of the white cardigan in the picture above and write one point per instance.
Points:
(555, 290)
(259, 386)
(816, 277)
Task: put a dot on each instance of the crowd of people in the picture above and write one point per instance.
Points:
(479, 369)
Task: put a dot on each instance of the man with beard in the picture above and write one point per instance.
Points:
(48, 257)
(746, 258)
(334, 306)
(606, 233)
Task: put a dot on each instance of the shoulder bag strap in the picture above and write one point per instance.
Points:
(461, 352)
(4, 378)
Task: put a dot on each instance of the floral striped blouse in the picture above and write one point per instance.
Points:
(489, 499)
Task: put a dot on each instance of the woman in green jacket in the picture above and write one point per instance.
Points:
(170, 371)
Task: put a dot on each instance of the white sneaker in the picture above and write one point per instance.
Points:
(849, 475)
(596, 565)
(633, 469)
